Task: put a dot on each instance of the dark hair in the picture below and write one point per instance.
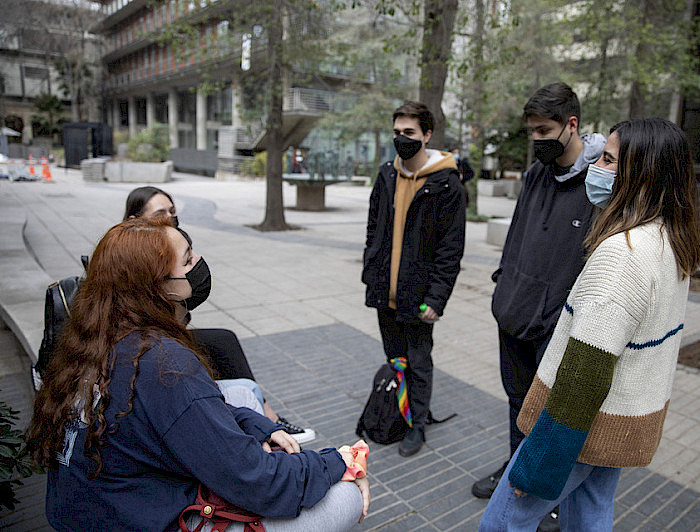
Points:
(418, 111)
(655, 178)
(124, 291)
(137, 199)
(555, 101)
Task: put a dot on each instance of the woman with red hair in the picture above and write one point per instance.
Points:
(129, 421)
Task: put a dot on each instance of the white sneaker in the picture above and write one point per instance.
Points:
(301, 435)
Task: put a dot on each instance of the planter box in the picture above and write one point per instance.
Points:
(126, 171)
(497, 231)
(491, 187)
(93, 169)
(131, 172)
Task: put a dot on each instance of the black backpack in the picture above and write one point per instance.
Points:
(381, 419)
(59, 296)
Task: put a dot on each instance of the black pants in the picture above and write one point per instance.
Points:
(224, 352)
(414, 342)
(519, 361)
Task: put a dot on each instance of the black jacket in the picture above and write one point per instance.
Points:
(433, 243)
(543, 253)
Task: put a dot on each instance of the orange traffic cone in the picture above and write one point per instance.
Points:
(31, 165)
(46, 170)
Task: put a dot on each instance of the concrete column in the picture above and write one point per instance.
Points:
(132, 116)
(172, 117)
(235, 106)
(116, 116)
(150, 110)
(201, 121)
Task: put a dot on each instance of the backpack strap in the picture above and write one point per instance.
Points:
(432, 421)
(63, 298)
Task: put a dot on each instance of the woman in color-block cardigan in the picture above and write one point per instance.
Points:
(603, 387)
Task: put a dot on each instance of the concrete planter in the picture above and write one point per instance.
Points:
(491, 187)
(126, 171)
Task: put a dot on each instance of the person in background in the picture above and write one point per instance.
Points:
(129, 421)
(466, 173)
(601, 392)
(225, 353)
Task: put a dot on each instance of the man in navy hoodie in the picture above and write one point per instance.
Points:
(544, 252)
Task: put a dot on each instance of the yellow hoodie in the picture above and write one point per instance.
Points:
(407, 185)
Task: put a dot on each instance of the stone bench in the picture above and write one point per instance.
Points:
(311, 193)
(23, 283)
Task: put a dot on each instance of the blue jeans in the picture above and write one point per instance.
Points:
(585, 504)
(242, 392)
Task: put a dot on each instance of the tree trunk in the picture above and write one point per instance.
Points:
(603, 94)
(438, 22)
(377, 150)
(478, 104)
(274, 205)
(638, 89)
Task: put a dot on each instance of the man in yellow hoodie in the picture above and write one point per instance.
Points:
(415, 241)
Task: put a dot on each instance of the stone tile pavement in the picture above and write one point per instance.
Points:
(296, 302)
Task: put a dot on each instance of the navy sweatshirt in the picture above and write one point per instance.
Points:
(180, 433)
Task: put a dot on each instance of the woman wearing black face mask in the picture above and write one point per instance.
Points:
(129, 401)
(225, 353)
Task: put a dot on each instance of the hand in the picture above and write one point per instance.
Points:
(363, 484)
(429, 315)
(348, 458)
(285, 441)
(517, 492)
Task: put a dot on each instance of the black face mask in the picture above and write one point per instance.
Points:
(547, 150)
(407, 147)
(174, 221)
(199, 278)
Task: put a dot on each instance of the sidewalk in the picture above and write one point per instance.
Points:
(296, 302)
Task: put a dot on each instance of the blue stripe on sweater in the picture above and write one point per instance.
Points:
(546, 458)
(632, 345)
(654, 343)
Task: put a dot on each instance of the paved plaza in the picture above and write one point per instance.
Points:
(296, 302)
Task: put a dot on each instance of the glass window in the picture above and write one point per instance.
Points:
(141, 115)
(160, 102)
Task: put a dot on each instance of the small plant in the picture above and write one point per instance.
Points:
(14, 459)
(150, 145)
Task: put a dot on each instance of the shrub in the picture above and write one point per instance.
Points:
(150, 145)
(14, 459)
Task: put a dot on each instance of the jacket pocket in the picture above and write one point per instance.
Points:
(518, 304)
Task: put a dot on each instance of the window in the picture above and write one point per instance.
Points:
(141, 113)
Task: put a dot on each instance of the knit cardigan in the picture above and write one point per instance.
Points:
(602, 390)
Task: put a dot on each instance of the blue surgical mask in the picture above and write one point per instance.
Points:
(599, 184)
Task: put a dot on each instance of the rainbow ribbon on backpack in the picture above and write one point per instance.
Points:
(400, 364)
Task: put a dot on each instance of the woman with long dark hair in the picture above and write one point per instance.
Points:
(603, 387)
(221, 346)
(129, 421)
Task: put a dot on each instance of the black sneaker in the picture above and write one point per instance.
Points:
(301, 435)
(485, 487)
(412, 441)
(550, 523)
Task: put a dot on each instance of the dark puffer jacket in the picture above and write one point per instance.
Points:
(432, 248)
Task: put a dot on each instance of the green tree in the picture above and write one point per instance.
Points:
(47, 121)
(288, 36)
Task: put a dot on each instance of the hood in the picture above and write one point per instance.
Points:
(437, 160)
(592, 150)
